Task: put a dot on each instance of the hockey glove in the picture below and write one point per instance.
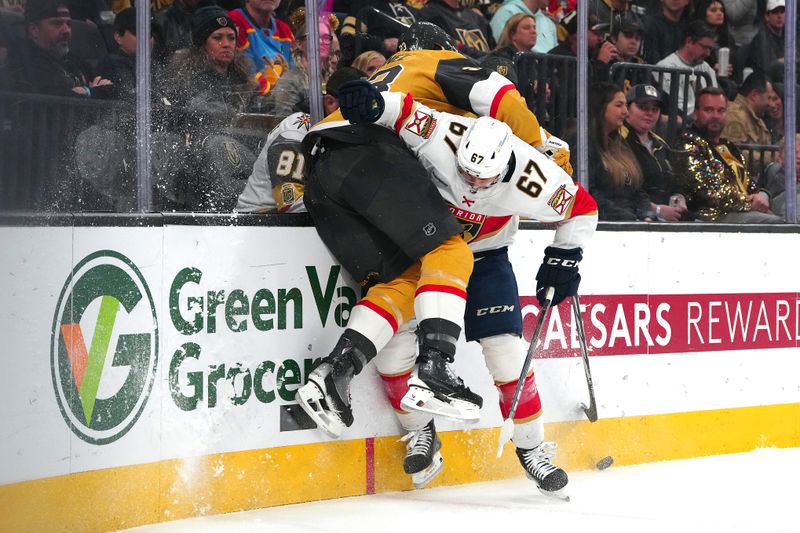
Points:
(360, 102)
(560, 271)
(556, 150)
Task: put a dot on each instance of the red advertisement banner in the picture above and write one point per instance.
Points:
(669, 323)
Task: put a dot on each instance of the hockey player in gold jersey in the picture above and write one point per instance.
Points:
(429, 67)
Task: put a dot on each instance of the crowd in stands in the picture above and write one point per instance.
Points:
(684, 93)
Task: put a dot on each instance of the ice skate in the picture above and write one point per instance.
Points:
(434, 388)
(423, 459)
(326, 396)
(549, 479)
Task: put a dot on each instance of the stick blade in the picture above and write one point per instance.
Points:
(506, 432)
(590, 412)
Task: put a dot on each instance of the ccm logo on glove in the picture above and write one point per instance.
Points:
(559, 270)
(566, 263)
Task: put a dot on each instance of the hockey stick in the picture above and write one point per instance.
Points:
(591, 410)
(507, 429)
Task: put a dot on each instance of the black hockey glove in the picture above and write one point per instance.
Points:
(360, 102)
(559, 270)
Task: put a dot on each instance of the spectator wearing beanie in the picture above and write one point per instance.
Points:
(214, 78)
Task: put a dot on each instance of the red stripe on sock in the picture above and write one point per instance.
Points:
(529, 401)
(461, 293)
(396, 387)
(370, 456)
(382, 312)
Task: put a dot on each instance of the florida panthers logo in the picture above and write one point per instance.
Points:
(561, 200)
(476, 226)
(421, 124)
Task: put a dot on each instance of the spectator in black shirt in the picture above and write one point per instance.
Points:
(664, 30)
(471, 30)
(120, 67)
(42, 63)
(645, 104)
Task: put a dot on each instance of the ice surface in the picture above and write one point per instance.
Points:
(748, 492)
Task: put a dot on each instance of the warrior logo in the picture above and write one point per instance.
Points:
(102, 386)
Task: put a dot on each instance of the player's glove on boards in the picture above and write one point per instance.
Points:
(559, 270)
(360, 102)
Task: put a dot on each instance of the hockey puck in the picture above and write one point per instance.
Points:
(605, 462)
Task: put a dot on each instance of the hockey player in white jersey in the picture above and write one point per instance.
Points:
(276, 184)
(489, 178)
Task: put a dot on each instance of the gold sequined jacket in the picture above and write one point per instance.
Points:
(713, 186)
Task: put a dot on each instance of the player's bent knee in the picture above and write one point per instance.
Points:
(399, 354)
(504, 356)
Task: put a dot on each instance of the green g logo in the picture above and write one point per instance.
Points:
(104, 347)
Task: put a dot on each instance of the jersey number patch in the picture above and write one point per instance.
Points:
(529, 186)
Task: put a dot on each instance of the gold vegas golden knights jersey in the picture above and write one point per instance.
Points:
(450, 82)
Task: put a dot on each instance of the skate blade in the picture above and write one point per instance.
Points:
(423, 477)
(419, 399)
(309, 397)
(559, 495)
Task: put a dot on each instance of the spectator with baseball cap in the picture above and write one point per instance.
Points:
(766, 51)
(627, 34)
(602, 52)
(645, 105)
(42, 63)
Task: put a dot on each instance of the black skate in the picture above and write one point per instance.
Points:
(549, 479)
(434, 388)
(423, 459)
(326, 396)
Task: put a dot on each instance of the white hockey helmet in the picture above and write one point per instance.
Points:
(484, 152)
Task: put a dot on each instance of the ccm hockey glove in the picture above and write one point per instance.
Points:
(559, 270)
(360, 102)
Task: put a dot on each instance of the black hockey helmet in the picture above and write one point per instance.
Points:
(425, 36)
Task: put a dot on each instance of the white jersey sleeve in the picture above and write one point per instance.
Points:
(276, 182)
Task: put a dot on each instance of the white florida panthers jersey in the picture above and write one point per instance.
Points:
(533, 187)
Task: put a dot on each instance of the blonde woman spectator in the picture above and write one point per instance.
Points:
(519, 35)
(369, 62)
